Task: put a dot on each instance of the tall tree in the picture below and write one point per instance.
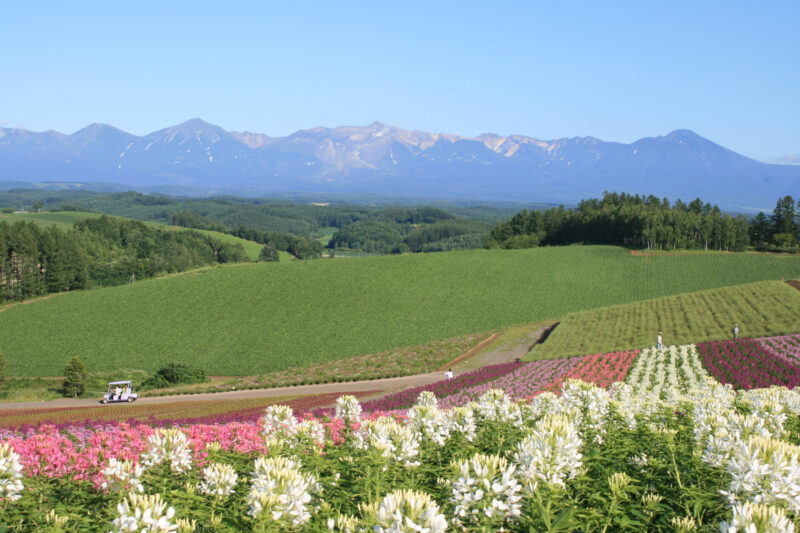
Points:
(784, 215)
(760, 231)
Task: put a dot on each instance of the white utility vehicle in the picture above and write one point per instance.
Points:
(119, 391)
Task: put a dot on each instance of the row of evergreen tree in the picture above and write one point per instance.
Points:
(37, 260)
(627, 220)
(778, 231)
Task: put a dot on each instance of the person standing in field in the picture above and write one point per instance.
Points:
(449, 374)
(659, 341)
(735, 331)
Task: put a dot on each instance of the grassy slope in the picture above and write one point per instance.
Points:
(761, 309)
(65, 220)
(60, 219)
(255, 318)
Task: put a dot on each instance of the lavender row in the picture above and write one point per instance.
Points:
(787, 347)
(525, 381)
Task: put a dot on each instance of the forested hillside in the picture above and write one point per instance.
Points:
(627, 220)
(290, 226)
(36, 260)
(423, 229)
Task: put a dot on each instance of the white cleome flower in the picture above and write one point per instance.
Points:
(766, 470)
(279, 421)
(428, 398)
(591, 401)
(757, 518)
(280, 492)
(348, 408)
(550, 453)
(122, 475)
(10, 474)
(485, 492)
(430, 422)
(219, 479)
(462, 420)
(405, 511)
(170, 445)
(308, 433)
(144, 514)
(393, 441)
(495, 405)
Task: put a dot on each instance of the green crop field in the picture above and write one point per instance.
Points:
(761, 309)
(256, 318)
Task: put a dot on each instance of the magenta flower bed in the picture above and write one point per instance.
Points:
(525, 381)
(786, 347)
(406, 398)
(747, 364)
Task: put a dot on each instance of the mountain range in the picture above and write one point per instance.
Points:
(386, 160)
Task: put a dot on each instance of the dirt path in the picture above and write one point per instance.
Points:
(384, 385)
(505, 353)
(502, 354)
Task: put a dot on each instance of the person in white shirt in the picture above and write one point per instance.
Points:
(448, 375)
(659, 341)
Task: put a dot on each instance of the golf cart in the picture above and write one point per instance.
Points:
(119, 391)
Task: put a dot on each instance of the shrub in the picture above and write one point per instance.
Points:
(75, 378)
(174, 374)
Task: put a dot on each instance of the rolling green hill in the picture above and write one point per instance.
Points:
(65, 220)
(253, 318)
(60, 219)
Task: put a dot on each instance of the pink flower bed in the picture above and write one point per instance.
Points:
(602, 369)
(82, 452)
(521, 383)
(786, 347)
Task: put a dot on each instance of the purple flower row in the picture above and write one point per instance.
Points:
(746, 364)
(521, 383)
(406, 398)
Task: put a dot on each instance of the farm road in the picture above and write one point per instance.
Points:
(384, 385)
(501, 354)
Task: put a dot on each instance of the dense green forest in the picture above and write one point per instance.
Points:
(423, 229)
(36, 260)
(289, 226)
(299, 246)
(626, 220)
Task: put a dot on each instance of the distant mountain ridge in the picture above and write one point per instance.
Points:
(382, 159)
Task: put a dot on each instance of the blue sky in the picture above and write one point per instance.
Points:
(614, 70)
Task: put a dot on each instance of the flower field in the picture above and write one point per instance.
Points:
(670, 448)
(749, 364)
(602, 369)
(785, 346)
(523, 382)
